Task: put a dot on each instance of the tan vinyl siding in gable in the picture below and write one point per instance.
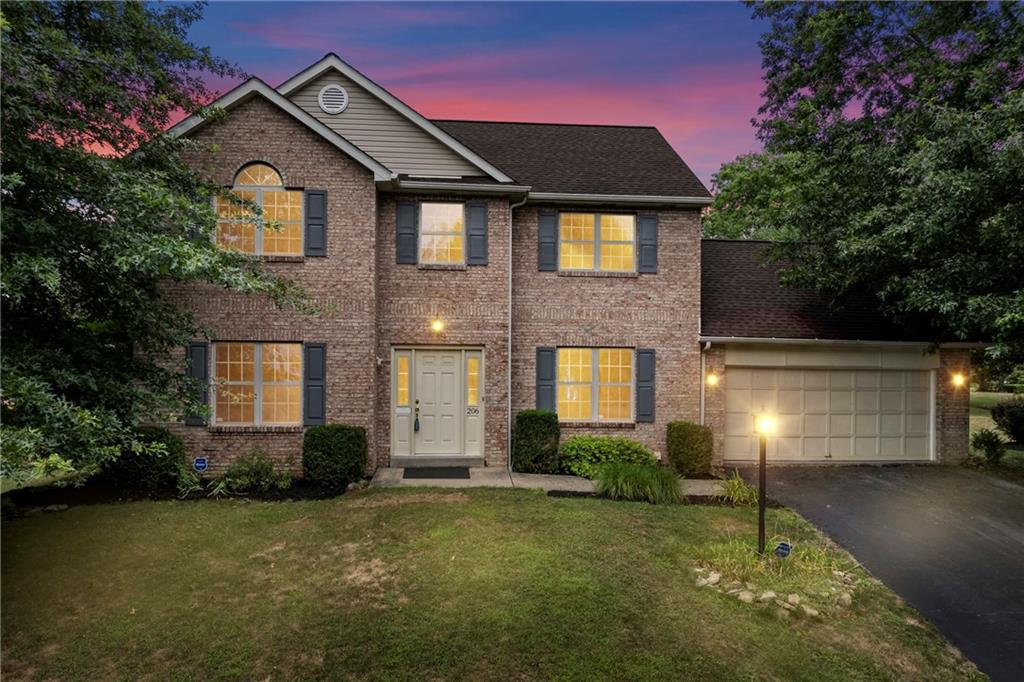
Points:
(382, 132)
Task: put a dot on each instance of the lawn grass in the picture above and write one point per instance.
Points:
(427, 584)
(1011, 468)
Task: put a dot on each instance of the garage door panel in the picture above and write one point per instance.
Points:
(837, 414)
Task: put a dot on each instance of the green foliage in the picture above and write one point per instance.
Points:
(689, 448)
(736, 492)
(893, 160)
(1009, 417)
(535, 442)
(638, 483)
(334, 455)
(581, 455)
(255, 473)
(188, 481)
(988, 443)
(152, 463)
(99, 213)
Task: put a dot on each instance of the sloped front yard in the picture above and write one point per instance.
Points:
(427, 584)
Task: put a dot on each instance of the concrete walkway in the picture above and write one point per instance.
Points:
(493, 477)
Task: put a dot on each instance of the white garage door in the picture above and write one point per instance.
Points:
(830, 414)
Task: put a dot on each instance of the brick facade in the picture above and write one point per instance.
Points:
(952, 406)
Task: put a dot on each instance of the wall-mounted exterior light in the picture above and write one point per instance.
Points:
(437, 326)
(959, 380)
(712, 379)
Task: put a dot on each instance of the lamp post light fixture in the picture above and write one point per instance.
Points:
(764, 424)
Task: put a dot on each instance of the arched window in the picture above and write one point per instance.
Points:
(280, 231)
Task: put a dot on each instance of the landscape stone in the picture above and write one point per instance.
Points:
(55, 507)
(746, 597)
(767, 596)
(793, 599)
(713, 578)
(845, 599)
(809, 611)
(701, 582)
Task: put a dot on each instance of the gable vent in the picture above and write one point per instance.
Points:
(333, 99)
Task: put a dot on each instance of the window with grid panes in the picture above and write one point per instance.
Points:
(602, 242)
(279, 232)
(595, 384)
(257, 383)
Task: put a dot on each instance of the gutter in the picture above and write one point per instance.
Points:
(508, 352)
(564, 198)
(840, 342)
(464, 187)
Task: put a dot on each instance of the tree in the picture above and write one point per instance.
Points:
(99, 212)
(893, 161)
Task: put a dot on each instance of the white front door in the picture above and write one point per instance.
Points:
(437, 402)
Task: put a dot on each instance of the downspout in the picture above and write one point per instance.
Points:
(703, 370)
(508, 352)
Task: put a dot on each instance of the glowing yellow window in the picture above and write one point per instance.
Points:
(603, 242)
(472, 381)
(442, 233)
(575, 378)
(576, 237)
(258, 383)
(278, 231)
(402, 381)
(615, 390)
(602, 395)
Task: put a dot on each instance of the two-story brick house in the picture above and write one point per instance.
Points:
(468, 270)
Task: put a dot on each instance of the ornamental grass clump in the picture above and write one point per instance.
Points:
(638, 483)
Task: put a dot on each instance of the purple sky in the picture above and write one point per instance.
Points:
(693, 70)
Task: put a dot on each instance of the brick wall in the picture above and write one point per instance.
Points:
(714, 401)
(952, 410)
(471, 300)
(659, 311)
(343, 282)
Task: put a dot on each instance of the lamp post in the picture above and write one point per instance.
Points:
(764, 425)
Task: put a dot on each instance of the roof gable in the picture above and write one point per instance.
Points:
(254, 87)
(378, 115)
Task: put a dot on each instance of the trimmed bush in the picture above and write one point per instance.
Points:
(988, 443)
(334, 455)
(1009, 417)
(535, 442)
(689, 448)
(638, 483)
(255, 473)
(154, 469)
(581, 455)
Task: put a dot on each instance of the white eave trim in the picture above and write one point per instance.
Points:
(466, 187)
(333, 61)
(837, 342)
(564, 198)
(253, 87)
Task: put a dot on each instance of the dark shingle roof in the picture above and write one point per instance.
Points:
(741, 296)
(581, 159)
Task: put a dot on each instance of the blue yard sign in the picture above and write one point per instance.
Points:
(199, 464)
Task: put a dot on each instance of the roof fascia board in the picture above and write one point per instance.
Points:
(335, 62)
(253, 87)
(565, 198)
(837, 342)
(467, 187)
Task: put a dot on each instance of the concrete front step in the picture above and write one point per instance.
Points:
(436, 461)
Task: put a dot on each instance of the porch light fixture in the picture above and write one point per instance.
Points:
(764, 424)
(437, 326)
(959, 380)
(712, 379)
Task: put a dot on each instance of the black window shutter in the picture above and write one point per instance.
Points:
(476, 232)
(198, 368)
(645, 384)
(648, 243)
(406, 217)
(546, 379)
(316, 222)
(547, 240)
(314, 384)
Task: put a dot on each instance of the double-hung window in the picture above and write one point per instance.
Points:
(257, 383)
(595, 384)
(600, 242)
(278, 231)
(442, 234)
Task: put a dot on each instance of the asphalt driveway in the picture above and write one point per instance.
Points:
(949, 541)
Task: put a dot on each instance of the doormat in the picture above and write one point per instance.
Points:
(437, 472)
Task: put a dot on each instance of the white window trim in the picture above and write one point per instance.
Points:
(595, 384)
(258, 246)
(257, 382)
(419, 234)
(597, 241)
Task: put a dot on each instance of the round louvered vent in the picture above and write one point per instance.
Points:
(333, 99)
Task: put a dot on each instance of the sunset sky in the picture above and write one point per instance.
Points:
(693, 70)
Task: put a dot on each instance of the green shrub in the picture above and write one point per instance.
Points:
(153, 467)
(988, 443)
(689, 448)
(736, 492)
(535, 442)
(334, 455)
(1009, 417)
(638, 482)
(255, 473)
(582, 454)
